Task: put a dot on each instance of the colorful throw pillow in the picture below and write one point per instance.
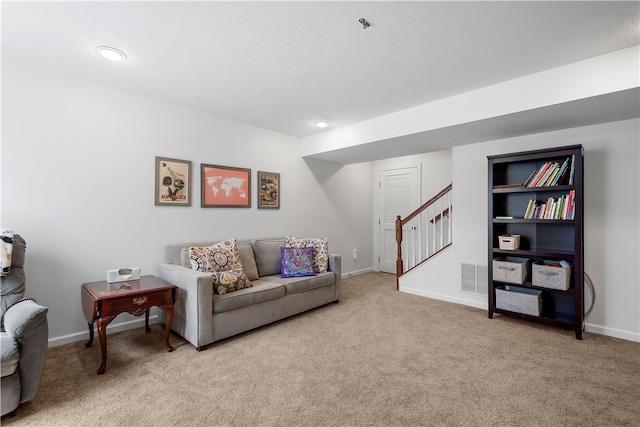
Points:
(320, 250)
(229, 281)
(297, 262)
(221, 256)
(6, 244)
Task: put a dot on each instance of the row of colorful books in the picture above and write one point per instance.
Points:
(562, 207)
(552, 173)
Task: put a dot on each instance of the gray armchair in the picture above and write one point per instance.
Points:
(23, 335)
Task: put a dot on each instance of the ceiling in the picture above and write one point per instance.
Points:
(284, 65)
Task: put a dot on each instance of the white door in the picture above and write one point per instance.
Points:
(398, 194)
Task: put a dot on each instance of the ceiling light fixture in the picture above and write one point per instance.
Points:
(111, 53)
(364, 23)
(322, 124)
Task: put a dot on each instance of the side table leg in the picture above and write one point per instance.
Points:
(102, 335)
(88, 344)
(167, 326)
(146, 321)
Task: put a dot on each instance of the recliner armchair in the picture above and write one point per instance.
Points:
(23, 333)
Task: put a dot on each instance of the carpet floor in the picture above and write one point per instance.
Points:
(377, 358)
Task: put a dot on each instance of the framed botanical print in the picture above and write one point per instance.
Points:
(173, 182)
(225, 187)
(268, 190)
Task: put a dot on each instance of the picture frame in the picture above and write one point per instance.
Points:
(268, 190)
(172, 182)
(225, 186)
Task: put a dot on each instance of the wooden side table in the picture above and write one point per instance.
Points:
(103, 301)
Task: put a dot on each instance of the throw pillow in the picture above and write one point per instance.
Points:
(229, 281)
(221, 256)
(6, 245)
(320, 250)
(297, 262)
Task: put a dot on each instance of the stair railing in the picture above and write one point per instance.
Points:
(424, 232)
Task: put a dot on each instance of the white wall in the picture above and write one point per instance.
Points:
(78, 181)
(611, 220)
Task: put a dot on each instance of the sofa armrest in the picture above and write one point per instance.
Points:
(335, 265)
(26, 322)
(193, 309)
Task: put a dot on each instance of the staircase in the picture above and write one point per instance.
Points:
(424, 232)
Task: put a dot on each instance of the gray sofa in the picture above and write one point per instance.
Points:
(23, 335)
(202, 317)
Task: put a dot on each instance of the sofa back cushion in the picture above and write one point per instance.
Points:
(269, 249)
(248, 260)
(267, 255)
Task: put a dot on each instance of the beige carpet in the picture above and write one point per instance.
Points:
(379, 357)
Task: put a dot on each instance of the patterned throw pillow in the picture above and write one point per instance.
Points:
(320, 250)
(229, 281)
(297, 262)
(221, 256)
(6, 245)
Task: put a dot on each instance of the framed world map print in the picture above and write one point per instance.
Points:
(225, 187)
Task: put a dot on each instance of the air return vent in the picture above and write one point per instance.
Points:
(474, 278)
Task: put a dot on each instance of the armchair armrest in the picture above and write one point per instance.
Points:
(193, 309)
(24, 318)
(26, 322)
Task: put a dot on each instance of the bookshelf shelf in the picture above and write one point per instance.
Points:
(537, 253)
(548, 240)
(531, 221)
(521, 189)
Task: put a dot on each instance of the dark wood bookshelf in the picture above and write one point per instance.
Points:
(540, 239)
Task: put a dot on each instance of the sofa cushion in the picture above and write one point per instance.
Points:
(260, 292)
(248, 260)
(294, 285)
(10, 354)
(320, 250)
(267, 253)
(296, 262)
(221, 256)
(229, 281)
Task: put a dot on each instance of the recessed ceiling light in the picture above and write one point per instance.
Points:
(111, 53)
(322, 124)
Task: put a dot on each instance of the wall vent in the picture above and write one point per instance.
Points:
(475, 278)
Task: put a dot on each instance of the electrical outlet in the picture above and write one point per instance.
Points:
(355, 253)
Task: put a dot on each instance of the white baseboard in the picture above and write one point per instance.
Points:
(115, 327)
(612, 332)
(357, 272)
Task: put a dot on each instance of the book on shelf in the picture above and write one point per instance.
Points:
(551, 173)
(553, 208)
(528, 180)
(539, 174)
(561, 173)
(573, 158)
(542, 182)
